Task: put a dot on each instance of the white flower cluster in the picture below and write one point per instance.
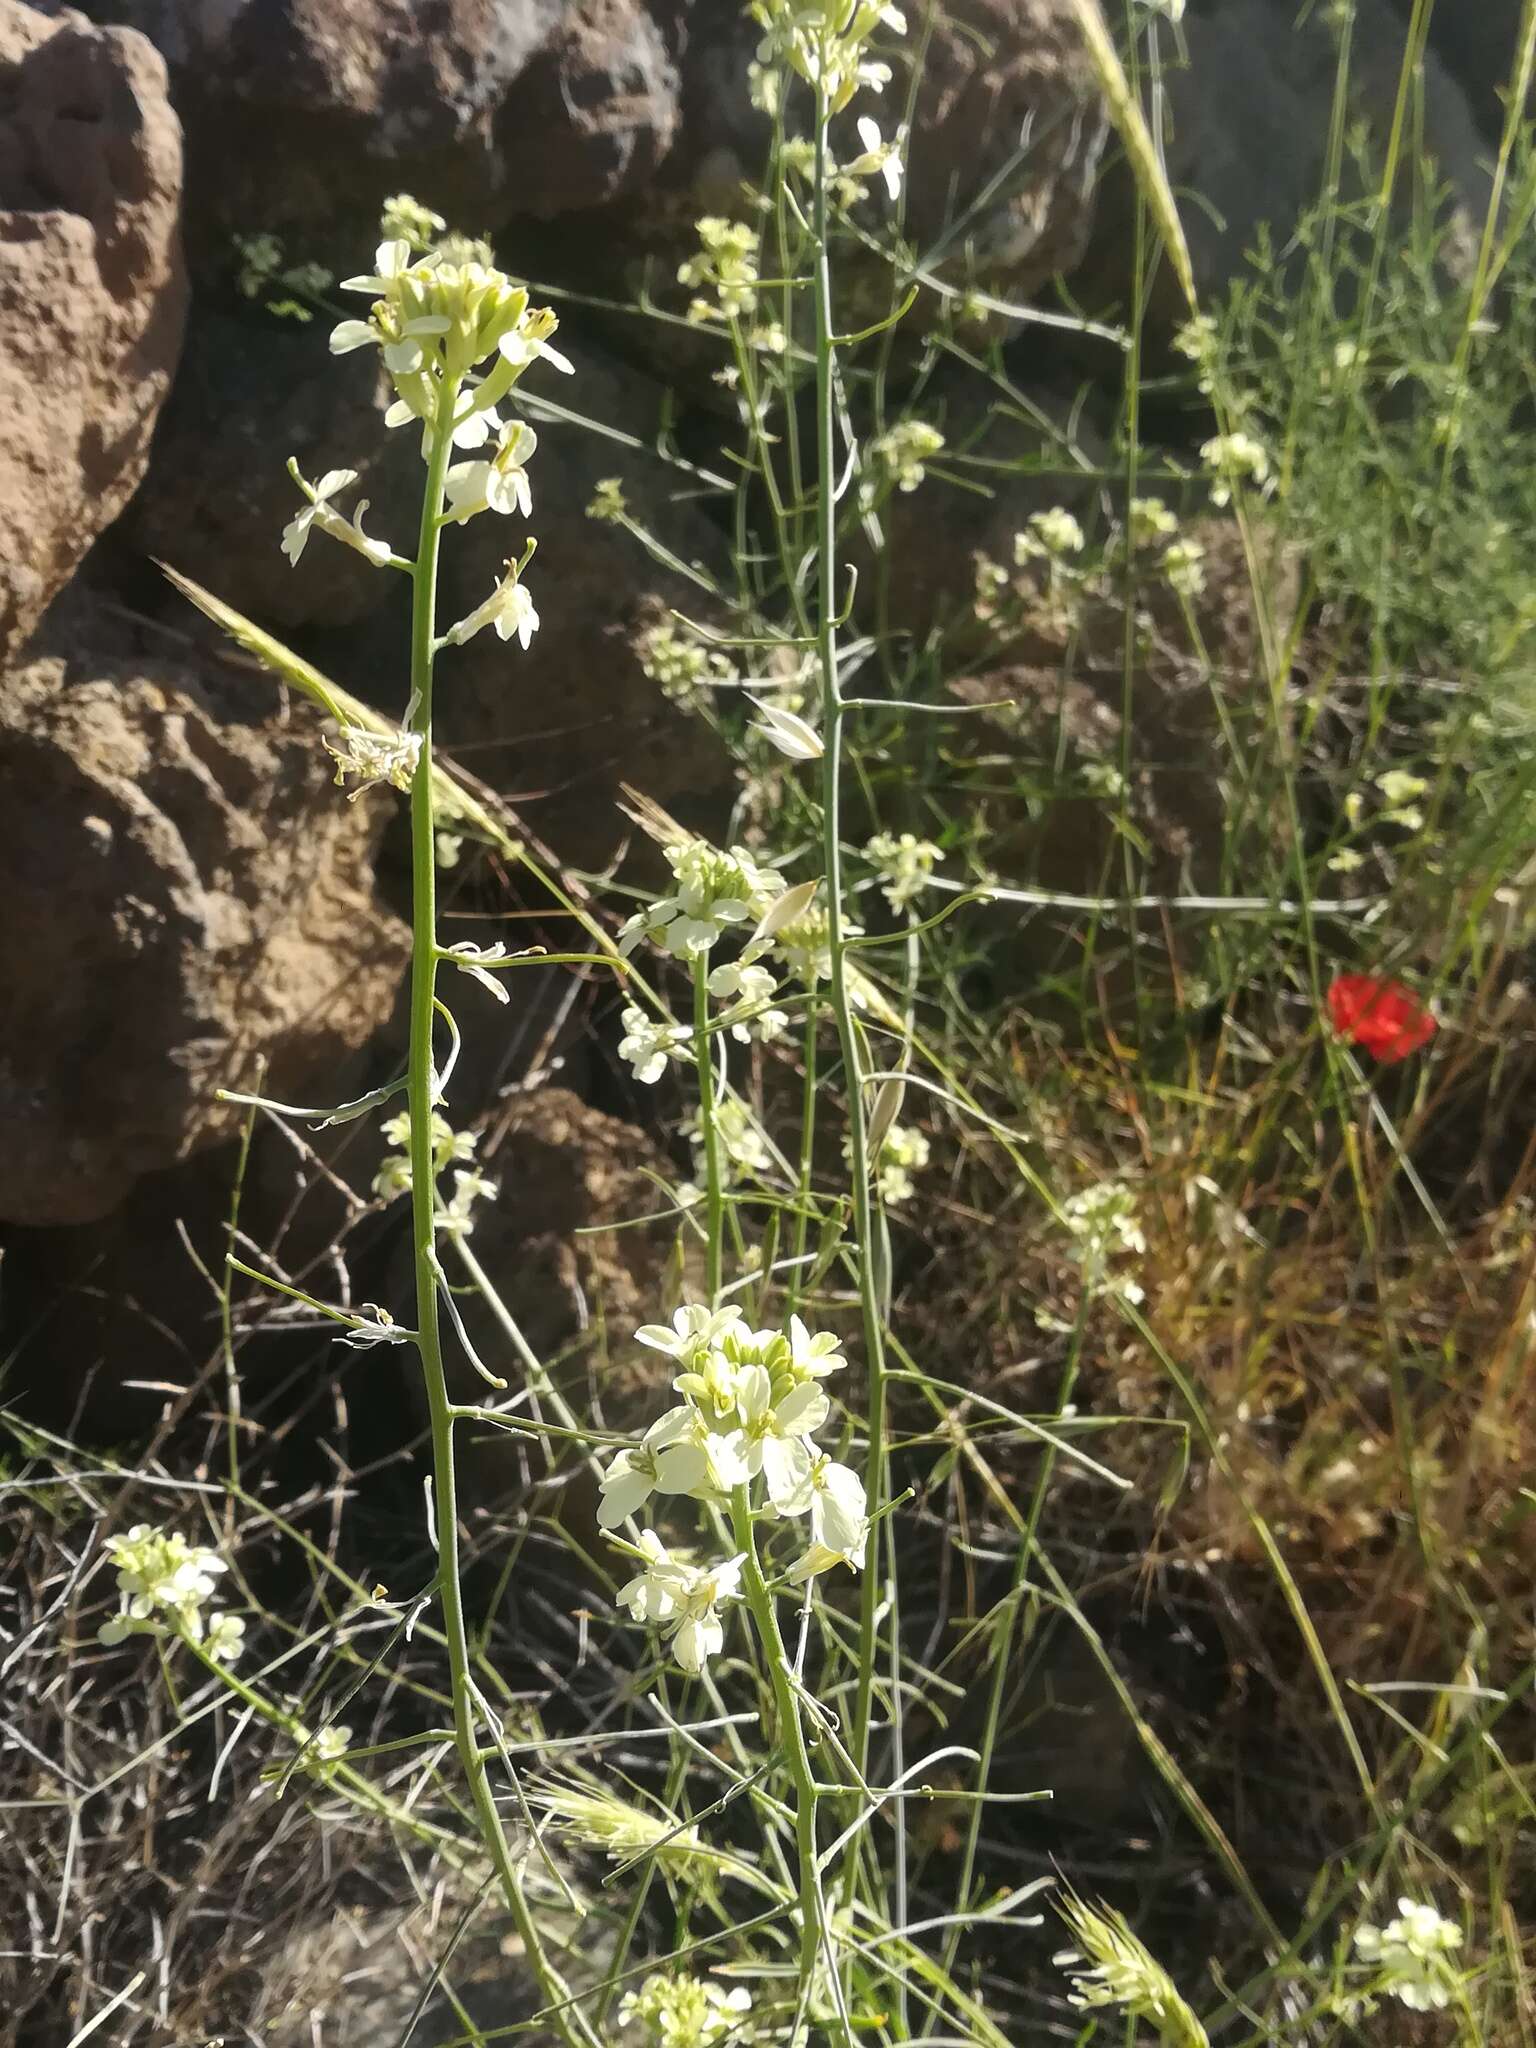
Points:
(1103, 1223)
(905, 864)
(715, 889)
(681, 668)
(743, 1147)
(688, 2012)
(825, 42)
(1052, 535)
(162, 1582)
(450, 1148)
(904, 451)
(455, 335)
(903, 1152)
(1234, 459)
(1412, 1956)
(751, 1405)
(726, 266)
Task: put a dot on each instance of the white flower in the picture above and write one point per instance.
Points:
(1234, 457)
(698, 1634)
(833, 1495)
(906, 863)
(688, 2012)
(1412, 1956)
(225, 1639)
(1184, 567)
(160, 1577)
(738, 1134)
(714, 889)
(751, 986)
(499, 484)
(394, 1174)
(469, 1186)
(648, 1045)
(391, 260)
(788, 732)
(727, 264)
(1103, 1221)
(812, 1358)
(1054, 534)
(405, 219)
(469, 959)
(509, 608)
(880, 158)
(1150, 520)
(652, 1595)
(684, 1598)
(320, 512)
(903, 1152)
(692, 1457)
(904, 450)
(775, 1433)
(626, 1486)
(695, 1331)
(522, 348)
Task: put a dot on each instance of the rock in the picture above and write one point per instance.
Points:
(1246, 144)
(218, 494)
(92, 291)
(186, 894)
(564, 1170)
(1007, 137)
(558, 728)
(304, 115)
(593, 115)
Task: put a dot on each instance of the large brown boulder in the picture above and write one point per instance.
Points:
(303, 115)
(92, 293)
(186, 895)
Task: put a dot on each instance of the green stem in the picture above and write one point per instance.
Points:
(713, 1188)
(420, 1094)
(792, 1744)
(841, 1002)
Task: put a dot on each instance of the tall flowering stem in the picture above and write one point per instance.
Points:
(837, 936)
(421, 1095)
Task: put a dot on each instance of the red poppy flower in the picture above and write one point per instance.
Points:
(1384, 1017)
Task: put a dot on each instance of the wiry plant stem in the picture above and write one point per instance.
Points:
(838, 979)
(421, 1093)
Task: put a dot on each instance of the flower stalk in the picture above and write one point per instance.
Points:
(421, 1092)
(840, 996)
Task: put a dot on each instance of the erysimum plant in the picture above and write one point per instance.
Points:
(730, 1510)
(748, 1520)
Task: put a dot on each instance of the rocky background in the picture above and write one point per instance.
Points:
(185, 903)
